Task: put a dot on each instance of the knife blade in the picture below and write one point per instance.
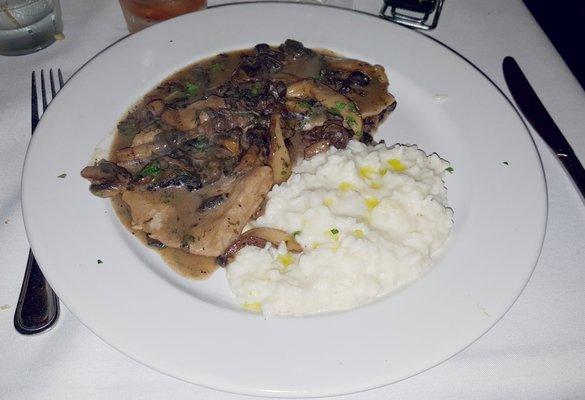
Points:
(534, 111)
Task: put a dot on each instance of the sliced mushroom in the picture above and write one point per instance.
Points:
(251, 158)
(346, 64)
(107, 179)
(129, 155)
(279, 158)
(163, 143)
(374, 98)
(295, 147)
(231, 144)
(154, 243)
(307, 116)
(105, 171)
(337, 135)
(335, 102)
(107, 189)
(212, 202)
(156, 107)
(316, 148)
(297, 106)
(259, 237)
(185, 118)
(145, 136)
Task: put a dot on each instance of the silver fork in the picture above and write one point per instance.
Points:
(38, 306)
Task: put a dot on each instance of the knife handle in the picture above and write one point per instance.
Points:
(574, 168)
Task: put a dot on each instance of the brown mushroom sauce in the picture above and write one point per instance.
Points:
(192, 162)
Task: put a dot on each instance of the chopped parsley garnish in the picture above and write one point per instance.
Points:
(216, 66)
(339, 105)
(449, 170)
(303, 104)
(335, 111)
(192, 88)
(61, 176)
(99, 261)
(351, 121)
(352, 107)
(152, 169)
(334, 231)
(295, 233)
(256, 89)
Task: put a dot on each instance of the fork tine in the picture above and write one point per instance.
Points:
(34, 109)
(43, 90)
(60, 75)
(52, 80)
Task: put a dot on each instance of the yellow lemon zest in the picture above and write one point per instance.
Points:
(396, 165)
(371, 203)
(358, 233)
(383, 171)
(285, 259)
(254, 307)
(315, 245)
(328, 202)
(375, 185)
(366, 172)
(345, 186)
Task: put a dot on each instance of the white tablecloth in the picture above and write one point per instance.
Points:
(537, 350)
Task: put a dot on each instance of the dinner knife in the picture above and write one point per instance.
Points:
(534, 111)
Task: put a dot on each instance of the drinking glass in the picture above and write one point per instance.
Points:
(140, 14)
(27, 26)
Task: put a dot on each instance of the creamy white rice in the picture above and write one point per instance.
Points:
(370, 219)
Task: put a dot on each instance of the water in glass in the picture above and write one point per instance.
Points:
(27, 26)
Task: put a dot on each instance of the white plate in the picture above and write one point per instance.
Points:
(193, 330)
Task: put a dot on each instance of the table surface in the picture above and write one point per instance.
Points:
(536, 351)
